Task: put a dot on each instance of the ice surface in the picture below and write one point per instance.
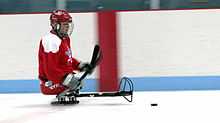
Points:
(173, 107)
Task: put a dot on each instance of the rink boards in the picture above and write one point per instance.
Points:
(140, 84)
(158, 50)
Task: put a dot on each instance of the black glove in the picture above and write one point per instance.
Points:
(85, 67)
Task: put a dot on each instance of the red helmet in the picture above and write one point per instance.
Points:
(60, 16)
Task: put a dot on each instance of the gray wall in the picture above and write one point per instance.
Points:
(21, 6)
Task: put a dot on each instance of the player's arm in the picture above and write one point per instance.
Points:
(75, 64)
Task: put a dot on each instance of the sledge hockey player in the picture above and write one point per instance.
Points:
(56, 64)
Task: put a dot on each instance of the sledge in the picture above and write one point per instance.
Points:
(125, 88)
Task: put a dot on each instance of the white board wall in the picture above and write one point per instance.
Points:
(152, 43)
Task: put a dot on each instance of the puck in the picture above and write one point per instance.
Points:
(154, 104)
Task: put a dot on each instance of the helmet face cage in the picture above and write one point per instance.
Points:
(64, 29)
(70, 30)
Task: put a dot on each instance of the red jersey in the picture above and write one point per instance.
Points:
(55, 62)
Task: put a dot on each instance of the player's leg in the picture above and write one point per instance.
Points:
(49, 88)
(72, 82)
(73, 85)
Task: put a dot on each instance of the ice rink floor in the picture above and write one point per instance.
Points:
(173, 107)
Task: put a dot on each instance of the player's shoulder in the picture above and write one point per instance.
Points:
(51, 43)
